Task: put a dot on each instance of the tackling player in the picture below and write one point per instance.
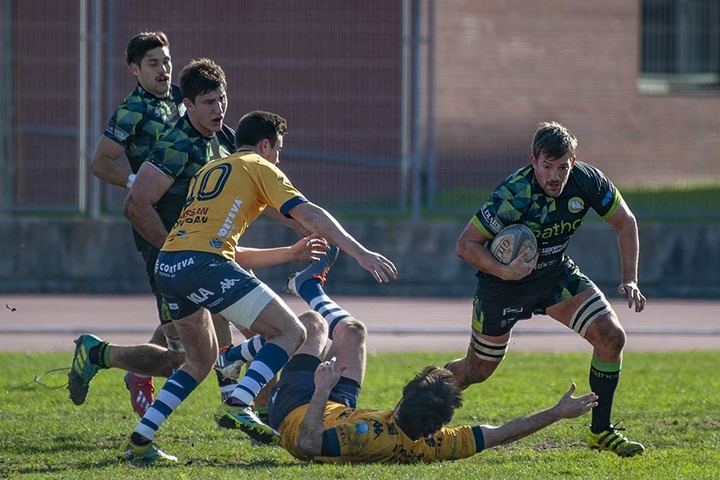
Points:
(551, 196)
(197, 274)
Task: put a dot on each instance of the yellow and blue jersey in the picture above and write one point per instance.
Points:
(224, 198)
(364, 436)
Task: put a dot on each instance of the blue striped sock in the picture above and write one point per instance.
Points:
(312, 292)
(176, 389)
(269, 360)
(246, 351)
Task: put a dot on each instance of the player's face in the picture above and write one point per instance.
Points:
(552, 175)
(155, 71)
(208, 111)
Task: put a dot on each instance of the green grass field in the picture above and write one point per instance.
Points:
(669, 401)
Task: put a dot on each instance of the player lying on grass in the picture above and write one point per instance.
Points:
(314, 408)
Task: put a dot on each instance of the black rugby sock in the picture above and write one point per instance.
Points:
(604, 378)
(99, 355)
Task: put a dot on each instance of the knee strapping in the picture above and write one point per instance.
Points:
(490, 351)
(588, 312)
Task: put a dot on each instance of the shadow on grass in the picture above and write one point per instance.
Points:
(82, 466)
(55, 445)
(116, 462)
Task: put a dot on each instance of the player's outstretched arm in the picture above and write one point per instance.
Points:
(150, 185)
(309, 442)
(322, 223)
(306, 249)
(626, 230)
(109, 165)
(567, 407)
(471, 248)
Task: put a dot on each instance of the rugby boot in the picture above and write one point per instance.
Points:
(229, 370)
(612, 440)
(82, 370)
(317, 269)
(144, 453)
(262, 413)
(245, 420)
(141, 390)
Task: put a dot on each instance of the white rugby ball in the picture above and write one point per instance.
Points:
(511, 240)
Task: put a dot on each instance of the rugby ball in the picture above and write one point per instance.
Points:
(511, 240)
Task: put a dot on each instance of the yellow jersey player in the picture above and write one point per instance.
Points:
(314, 408)
(197, 274)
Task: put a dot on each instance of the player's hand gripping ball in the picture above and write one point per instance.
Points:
(512, 240)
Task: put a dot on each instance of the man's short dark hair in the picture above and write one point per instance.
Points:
(428, 403)
(201, 76)
(554, 140)
(142, 43)
(258, 125)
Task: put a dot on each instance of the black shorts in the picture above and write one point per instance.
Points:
(499, 305)
(297, 385)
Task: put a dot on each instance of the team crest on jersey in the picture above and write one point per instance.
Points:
(362, 428)
(576, 204)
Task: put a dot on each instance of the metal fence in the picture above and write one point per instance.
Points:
(337, 76)
(407, 107)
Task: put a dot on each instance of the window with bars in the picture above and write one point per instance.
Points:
(680, 46)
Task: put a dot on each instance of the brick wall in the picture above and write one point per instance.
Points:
(505, 65)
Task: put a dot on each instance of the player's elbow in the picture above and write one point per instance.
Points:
(132, 206)
(630, 221)
(462, 248)
(98, 167)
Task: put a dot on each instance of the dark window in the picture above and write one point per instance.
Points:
(680, 45)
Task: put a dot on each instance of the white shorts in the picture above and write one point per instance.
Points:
(243, 313)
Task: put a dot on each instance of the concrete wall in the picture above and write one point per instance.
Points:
(78, 255)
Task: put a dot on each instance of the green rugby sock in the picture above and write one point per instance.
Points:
(604, 377)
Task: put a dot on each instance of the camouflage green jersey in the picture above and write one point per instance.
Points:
(179, 155)
(141, 120)
(519, 199)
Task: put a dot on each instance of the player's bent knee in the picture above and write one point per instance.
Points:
(351, 329)
(611, 335)
(315, 325)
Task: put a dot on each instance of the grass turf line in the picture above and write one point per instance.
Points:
(668, 401)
